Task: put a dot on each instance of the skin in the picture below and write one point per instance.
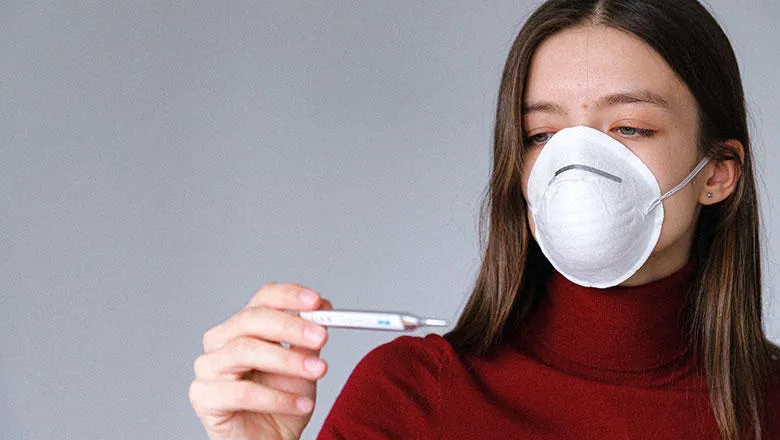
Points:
(570, 74)
(248, 386)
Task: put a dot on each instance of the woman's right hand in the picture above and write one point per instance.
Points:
(247, 385)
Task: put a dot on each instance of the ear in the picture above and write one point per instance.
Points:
(724, 174)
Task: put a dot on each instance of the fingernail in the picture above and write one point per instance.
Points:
(314, 365)
(304, 404)
(313, 333)
(308, 296)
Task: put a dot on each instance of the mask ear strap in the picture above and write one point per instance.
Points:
(680, 186)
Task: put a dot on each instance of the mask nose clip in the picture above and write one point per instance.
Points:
(589, 169)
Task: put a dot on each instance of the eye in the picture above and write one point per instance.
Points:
(539, 138)
(633, 132)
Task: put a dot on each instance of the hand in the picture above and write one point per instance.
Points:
(247, 385)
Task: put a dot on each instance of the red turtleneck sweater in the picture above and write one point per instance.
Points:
(589, 363)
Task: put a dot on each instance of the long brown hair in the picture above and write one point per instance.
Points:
(724, 310)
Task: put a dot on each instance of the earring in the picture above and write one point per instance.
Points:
(709, 195)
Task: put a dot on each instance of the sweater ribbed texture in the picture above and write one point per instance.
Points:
(588, 364)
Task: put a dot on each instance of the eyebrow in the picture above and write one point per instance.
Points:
(628, 97)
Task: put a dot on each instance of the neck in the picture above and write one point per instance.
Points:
(621, 334)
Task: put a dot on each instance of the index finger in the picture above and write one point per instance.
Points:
(326, 305)
(286, 296)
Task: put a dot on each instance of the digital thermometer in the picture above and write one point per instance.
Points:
(370, 320)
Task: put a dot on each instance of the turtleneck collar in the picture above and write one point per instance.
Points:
(622, 335)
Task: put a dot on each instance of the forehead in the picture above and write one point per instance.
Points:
(578, 65)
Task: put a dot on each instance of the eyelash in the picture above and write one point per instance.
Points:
(639, 132)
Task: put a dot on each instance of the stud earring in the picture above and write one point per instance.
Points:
(709, 195)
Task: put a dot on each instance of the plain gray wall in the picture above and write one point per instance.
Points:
(161, 161)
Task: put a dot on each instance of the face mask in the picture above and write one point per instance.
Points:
(596, 206)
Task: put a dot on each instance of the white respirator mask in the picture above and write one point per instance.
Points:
(596, 206)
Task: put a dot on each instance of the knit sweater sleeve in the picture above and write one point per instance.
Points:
(394, 392)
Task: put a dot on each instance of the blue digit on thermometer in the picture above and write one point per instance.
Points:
(370, 320)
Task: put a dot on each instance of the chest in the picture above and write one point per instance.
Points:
(550, 406)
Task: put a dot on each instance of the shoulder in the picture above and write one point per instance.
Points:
(431, 347)
(407, 355)
(773, 391)
(394, 391)
(773, 386)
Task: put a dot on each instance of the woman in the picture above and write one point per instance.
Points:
(620, 293)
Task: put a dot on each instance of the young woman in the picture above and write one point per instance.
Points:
(620, 291)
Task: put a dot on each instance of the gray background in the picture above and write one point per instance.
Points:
(163, 160)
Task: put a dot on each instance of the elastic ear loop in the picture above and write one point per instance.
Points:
(680, 186)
